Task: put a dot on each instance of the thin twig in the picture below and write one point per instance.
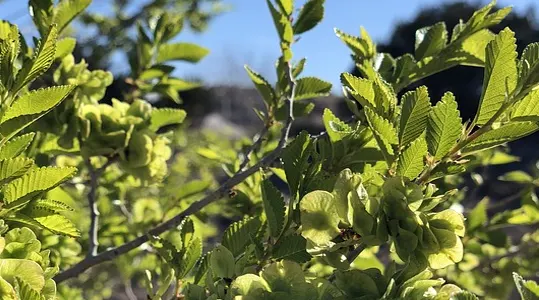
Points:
(94, 211)
(219, 193)
(515, 251)
(126, 212)
(93, 232)
(128, 287)
(502, 203)
(505, 201)
(254, 147)
(350, 257)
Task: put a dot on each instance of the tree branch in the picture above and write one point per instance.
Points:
(94, 211)
(93, 232)
(512, 252)
(222, 191)
(256, 144)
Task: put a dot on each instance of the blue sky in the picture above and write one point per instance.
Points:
(245, 35)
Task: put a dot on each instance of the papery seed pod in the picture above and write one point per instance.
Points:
(222, 262)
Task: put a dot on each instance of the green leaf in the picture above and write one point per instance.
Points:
(361, 220)
(283, 276)
(14, 167)
(367, 40)
(528, 67)
(179, 84)
(450, 220)
(311, 87)
(181, 51)
(405, 242)
(23, 268)
(444, 169)
(263, 87)
(522, 286)
(65, 47)
(26, 292)
(517, 176)
(249, 285)
(346, 183)
(190, 257)
(422, 287)
(284, 27)
(166, 116)
(49, 204)
(362, 46)
(463, 296)
(501, 135)
(37, 180)
(527, 109)
(361, 89)
(384, 132)
(298, 68)
(286, 6)
(385, 98)
(274, 207)
(7, 292)
(67, 10)
(52, 221)
(410, 162)
(335, 128)
(532, 287)
(222, 262)
(24, 220)
(481, 19)
(319, 217)
(500, 158)
(30, 107)
(16, 146)
(347, 282)
(451, 249)
(309, 16)
(237, 235)
(430, 40)
(475, 46)
(500, 75)
(10, 47)
(201, 268)
(295, 157)
(36, 102)
(404, 65)
(168, 248)
(41, 12)
(156, 71)
(443, 126)
(187, 233)
(41, 61)
(478, 216)
(414, 115)
(292, 247)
